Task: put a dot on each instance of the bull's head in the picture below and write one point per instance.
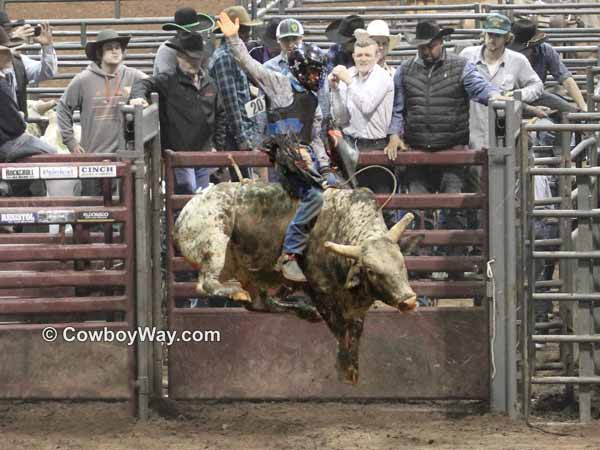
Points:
(379, 266)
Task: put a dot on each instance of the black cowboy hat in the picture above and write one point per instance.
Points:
(7, 23)
(190, 44)
(103, 37)
(341, 31)
(268, 34)
(427, 31)
(526, 34)
(7, 41)
(188, 20)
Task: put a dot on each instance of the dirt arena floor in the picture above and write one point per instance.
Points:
(280, 426)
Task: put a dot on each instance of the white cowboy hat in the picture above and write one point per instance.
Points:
(380, 28)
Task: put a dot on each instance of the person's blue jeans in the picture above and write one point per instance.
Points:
(296, 235)
(189, 179)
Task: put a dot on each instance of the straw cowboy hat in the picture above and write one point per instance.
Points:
(103, 37)
(239, 12)
(379, 28)
(188, 20)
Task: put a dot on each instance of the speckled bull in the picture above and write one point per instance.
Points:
(233, 233)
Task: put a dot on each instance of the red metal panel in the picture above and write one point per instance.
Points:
(62, 305)
(19, 252)
(430, 354)
(34, 369)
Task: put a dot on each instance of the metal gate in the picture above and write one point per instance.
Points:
(436, 353)
(67, 267)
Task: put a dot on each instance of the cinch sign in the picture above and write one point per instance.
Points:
(108, 171)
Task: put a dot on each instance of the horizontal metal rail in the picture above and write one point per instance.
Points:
(566, 338)
(565, 380)
(566, 255)
(566, 297)
(565, 213)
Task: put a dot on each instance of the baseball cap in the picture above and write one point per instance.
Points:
(289, 27)
(497, 24)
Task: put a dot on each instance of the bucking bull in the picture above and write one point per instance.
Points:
(232, 233)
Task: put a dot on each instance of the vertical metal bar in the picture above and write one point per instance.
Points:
(502, 230)
(158, 290)
(253, 9)
(525, 263)
(143, 281)
(117, 9)
(83, 34)
(582, 313)
(589, 87)
(283, 4)
(513, 121)
(128, 238)
(565, 266)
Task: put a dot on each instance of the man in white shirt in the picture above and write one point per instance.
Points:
(362, 102)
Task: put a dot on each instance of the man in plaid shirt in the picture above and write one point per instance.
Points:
(241, 131)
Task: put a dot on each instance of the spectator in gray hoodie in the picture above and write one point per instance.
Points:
(96, 92)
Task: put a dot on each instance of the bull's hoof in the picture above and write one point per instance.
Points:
(241, 296)
(348, 376)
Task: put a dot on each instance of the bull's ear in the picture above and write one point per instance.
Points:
(353, 277)
(408, 244)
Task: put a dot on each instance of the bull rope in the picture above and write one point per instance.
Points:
(376, 167)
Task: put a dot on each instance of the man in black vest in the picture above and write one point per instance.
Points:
(431, 112)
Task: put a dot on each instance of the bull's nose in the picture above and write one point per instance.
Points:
(408, 304)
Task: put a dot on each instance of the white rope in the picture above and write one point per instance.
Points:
(490, 275)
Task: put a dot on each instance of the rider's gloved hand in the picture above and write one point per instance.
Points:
(329, 178)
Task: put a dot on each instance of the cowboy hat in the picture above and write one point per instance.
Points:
(7, 41)
(188, 20)
(239, 12)
(190, 44)
(103, 37)
(427, 31)
(269, 33)
(5, 22)
(379, 28)
(526, 34)
(341, 31)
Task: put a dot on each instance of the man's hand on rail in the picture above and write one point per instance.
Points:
(138, 101)
(395, 143)
(78, 149)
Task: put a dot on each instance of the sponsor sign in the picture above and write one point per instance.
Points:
(52, 173)
(97, 171)
(20, 173)
(56, 216)
(17, 218)
(95, 216)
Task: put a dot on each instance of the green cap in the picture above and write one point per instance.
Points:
(497, 24)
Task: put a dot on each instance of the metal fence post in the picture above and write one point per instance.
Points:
(117, 9)
(502, 240)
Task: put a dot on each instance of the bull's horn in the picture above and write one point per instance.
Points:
(396, 231)
(350, 251)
